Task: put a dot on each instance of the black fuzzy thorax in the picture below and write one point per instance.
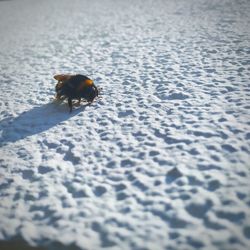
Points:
(71, 88)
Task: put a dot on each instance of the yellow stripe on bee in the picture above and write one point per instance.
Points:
(88, 82)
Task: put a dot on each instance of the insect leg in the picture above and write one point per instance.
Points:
(70, 104)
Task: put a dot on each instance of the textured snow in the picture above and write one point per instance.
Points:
(162, 160)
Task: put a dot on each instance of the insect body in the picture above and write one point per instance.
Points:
(75, 87)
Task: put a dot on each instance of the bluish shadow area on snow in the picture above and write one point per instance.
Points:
(18, 243)
(37, 120)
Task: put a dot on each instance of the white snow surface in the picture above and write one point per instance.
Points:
(162, 160)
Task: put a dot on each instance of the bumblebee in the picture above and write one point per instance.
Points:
(75, 87)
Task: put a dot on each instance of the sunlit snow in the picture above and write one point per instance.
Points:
(162, 160)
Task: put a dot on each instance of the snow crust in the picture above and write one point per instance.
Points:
(162, 160)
